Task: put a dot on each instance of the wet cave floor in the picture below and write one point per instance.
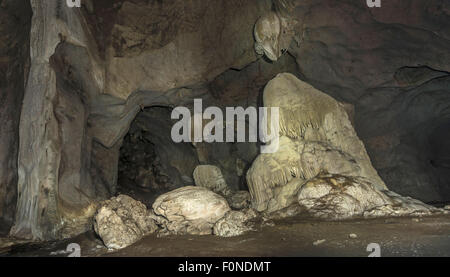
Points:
(406, 236)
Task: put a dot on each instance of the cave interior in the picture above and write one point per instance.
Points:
(87, 95)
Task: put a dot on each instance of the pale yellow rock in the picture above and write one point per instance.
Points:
(190, 210)
(121, 221)
(316, 136)
(209, 176)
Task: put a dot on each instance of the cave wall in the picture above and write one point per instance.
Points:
(15, 24)
(74, 118)
(382, 61)
(346, 48)
(51, 118)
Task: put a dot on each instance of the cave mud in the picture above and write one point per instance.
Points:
(293, 237)
(87, 95)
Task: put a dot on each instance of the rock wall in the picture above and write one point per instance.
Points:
(86, 86)
(381, 60)
(315, 135)
(15, 24)
(51, 130)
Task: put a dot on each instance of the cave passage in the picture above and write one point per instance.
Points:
(150, 162)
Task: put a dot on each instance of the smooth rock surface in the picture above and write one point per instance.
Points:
(190, 210)
(209, 176)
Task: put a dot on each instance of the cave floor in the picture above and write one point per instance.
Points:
(426, 236)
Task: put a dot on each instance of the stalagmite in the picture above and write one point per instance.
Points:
(315, 135)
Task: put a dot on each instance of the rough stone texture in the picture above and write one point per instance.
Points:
(148, 52)
(234, 223)
(150, 159)
(239, 200)
(15, 25)
(121, 221)
(209, 176)
(338, 197)
(315, 135)
(47, 136)
(190, 210)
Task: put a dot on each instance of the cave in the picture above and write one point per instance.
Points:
(150, 161)
(356, 99)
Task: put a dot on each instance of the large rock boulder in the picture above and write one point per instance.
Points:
(338, 197)
(315, 135)
(190, 210)
(121, 221)
(209, 176)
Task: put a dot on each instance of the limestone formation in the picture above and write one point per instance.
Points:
(190, 210)
(315, 135)
(267, 33)
(401, 96)
(234, 223)
(121, 221)
(87, 83)
(200, 42)
(274, 31)
(209, 176)
(339, 197)
(54, 189)
(72, 80)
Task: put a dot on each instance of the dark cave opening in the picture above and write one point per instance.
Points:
(150, 163)
(439, 145)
